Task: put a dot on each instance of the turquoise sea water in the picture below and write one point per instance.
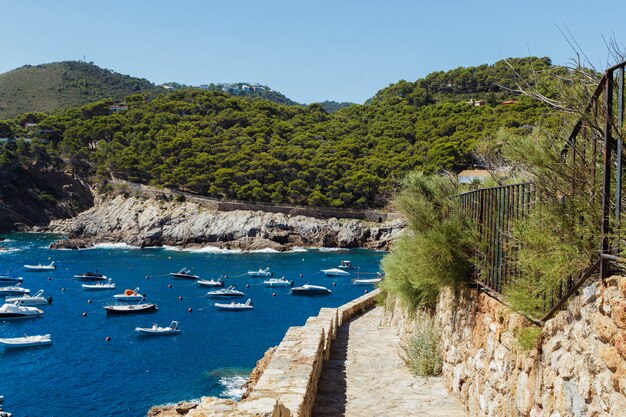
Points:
(82, 374)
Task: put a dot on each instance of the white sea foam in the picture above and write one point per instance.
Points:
(233, 386)
(119, 245)
(331, 249)
(299, 249)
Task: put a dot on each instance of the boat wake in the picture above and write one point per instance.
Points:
(9, 250)
(233, 386)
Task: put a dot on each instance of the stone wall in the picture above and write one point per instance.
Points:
(577, 368)
(288, 384)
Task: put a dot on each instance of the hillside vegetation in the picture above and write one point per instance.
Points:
(224, 146)
(62, 85)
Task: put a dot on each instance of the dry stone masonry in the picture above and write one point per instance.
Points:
(577, 369)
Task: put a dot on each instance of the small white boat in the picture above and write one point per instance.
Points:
(129, 295)
(229, 292)
(278, 282)
(235, 306)
(261, 273)
(160, 331)
(345, 264)
(370, 281)
(18, 311)
(109, 285)
(211, 283)
(91, 276)
(130, 308)
(184, 273)
(308, 289)
(8, 278)
(26, 341)
(335, 272)
(35, 268)
(27, 300)
(13, 290)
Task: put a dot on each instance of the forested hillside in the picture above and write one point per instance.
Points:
(61, 85)
(212, 143)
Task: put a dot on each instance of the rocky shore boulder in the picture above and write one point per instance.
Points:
(151, 222)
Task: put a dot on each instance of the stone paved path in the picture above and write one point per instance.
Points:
(365, 377)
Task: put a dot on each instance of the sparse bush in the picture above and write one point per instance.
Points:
(422, 350)
(528, 337)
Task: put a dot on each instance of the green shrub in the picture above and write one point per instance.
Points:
(435, 249)
(422, 350)
(528, 337)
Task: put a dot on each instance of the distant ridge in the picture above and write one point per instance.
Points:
(62, 85)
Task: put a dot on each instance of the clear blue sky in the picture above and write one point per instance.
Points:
(342, 50)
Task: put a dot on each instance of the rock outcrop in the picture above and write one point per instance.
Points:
(152, 222)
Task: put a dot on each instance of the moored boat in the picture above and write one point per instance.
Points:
(184, 273)
(235, 306)
(18, 311)
(28, 300)
(130, 295)
(39, 267)
(278, 282)
(345, 264)
(109, 285)
(26, 341)
(229, 292)
(308, 289)
(369, 281)
(335, 272)
(155, 330)
(261, 273)
(211, 283)
(9, 278)
(13, 290)
(91, 276)
(130, 308)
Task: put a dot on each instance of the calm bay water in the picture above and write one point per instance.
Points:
(82, 374)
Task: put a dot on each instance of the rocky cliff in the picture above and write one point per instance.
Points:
(33, 195)
(145, 222)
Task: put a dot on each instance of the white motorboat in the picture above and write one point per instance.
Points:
(91, 276)
(278, 282)
(261, 273)
(308, 289)
(345, 264)
(13, 290)
(26, 341)
(229, 292)
(130, 308)
(370, 281)
(335, 272)
(39, 267)
(235, 306)
(18, 311)
(27, 300)
(130, 295)
(160, 331)
(109, 285)
(9, 278)
(211, 283)
(184, 273)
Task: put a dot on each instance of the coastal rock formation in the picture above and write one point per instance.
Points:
(147, 222)
(577, 368)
